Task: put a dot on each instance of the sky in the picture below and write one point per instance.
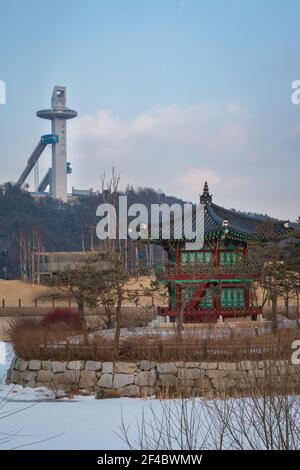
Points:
(170, 92)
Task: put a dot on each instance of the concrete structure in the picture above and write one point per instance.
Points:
(56, 177)
(46, 264)
(58, 114)
(84, 192)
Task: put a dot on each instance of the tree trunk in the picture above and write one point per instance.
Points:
(82, 319)
(179, 328)
(180, 305)
(82, 239)
(274, 314)
(108, 317)
(118, 327)
(287, 310)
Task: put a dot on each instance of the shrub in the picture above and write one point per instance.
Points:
(59, 341)
(68, 316)
(137, 317)
(31, 340)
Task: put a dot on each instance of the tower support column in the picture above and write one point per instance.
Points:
(58, 185)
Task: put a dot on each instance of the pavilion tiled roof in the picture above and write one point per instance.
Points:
(218, 220)
(230, 224)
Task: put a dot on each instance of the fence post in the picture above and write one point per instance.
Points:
(52, 303)
(19, 303)
(205, 350)
(35, 303)
(3, 303)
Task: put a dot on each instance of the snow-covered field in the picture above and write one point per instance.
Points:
(34, 419)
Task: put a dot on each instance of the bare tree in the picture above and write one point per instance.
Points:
(272, 272)
(267, 418)
(118, 287)
(82, 283)
(109, 191)
(30, 240)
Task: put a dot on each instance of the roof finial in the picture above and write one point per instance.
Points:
(206, 197)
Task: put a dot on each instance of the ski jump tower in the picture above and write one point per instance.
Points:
(56, 177)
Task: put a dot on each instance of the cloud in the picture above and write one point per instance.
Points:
(192, 179)
(177, 148)
(164, 136)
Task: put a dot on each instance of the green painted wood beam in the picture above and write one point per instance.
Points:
(197, 281)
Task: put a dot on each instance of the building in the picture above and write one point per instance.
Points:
(215, 282)
(84, 192)
(45, 265)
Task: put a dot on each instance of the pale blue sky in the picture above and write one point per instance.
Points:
(170, 92)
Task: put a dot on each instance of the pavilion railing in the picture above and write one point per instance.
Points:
(174, 269)
(209, 315)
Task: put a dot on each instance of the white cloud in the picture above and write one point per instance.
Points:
(190, 182)
(175, 148)
(210, 131)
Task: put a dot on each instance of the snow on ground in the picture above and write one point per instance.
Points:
(33, 419)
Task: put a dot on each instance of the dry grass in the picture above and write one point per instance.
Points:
(29, 337)
(12, 291)
(137, 317)
(32, 340)
(195, 348)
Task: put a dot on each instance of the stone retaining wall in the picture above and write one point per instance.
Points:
(147, 378)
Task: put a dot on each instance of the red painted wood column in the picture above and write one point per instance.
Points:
(178, 297)
(218, 303)
(177, 259)
(247, 297)
(216, 254)
(245, 254)
(177, 271)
